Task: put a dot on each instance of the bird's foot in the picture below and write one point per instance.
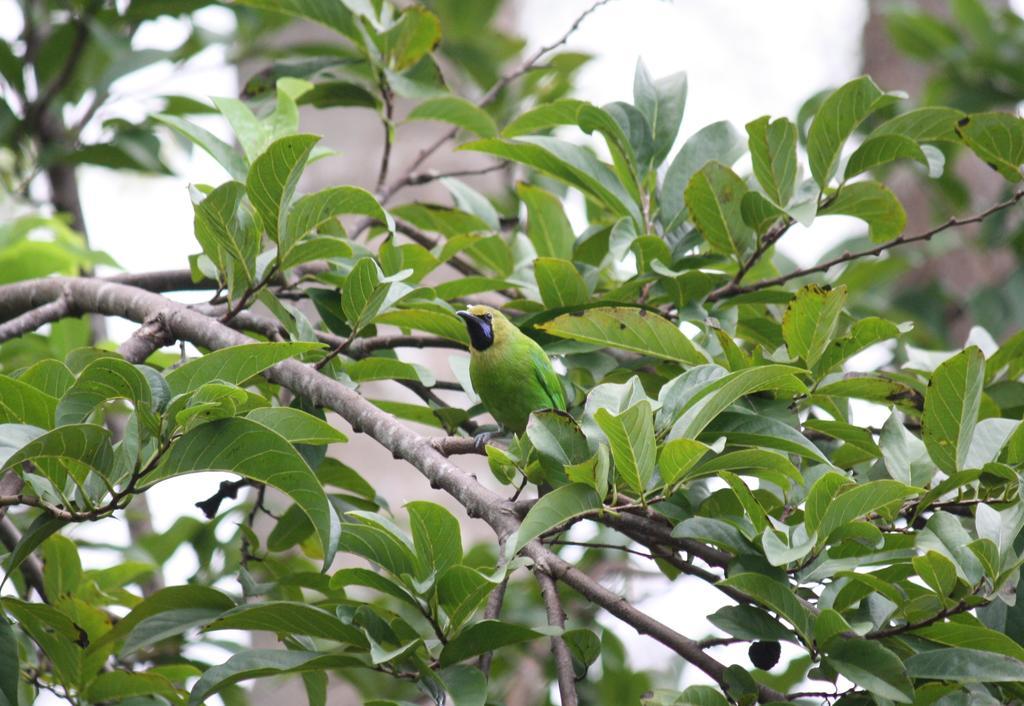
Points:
(481, 439)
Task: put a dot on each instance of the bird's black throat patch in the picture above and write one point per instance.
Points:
(481, 333)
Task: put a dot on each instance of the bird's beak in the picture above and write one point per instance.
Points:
(481, 334)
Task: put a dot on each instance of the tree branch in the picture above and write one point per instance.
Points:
(479, 501)
(733, 288)
(31, 320)
(563, 658)
(491, 612)
(31, 569)
(456, 445)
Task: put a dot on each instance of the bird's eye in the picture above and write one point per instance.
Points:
(486, 317)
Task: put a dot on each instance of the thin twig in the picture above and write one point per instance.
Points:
(492, 612)
(563, 658)
(732, 288)
(416, 179)
(961, 607)
(42, 102)
(389, 111)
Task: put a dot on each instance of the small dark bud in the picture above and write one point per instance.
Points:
(962, 122)
(764, 654)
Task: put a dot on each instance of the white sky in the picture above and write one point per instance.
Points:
(744, 58)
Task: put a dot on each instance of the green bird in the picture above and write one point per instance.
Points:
(510, 372)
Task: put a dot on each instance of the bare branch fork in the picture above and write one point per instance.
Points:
(182, 323)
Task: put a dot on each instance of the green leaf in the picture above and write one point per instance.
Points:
(456, 111)
(559, 283)
(251, 664)
(717, 142)
(937, 571)
(228, 240)
(662, 102)
(719, 533)
(715, 397)
(485, 636)
(312, 211)
(412, 37)
(233, 365)
(103, 379)
(557, 436)
(466, 685)
(472, 201)
(761, 431)
(627, 328)
(252, 134)
(379, 544)
(374, 368)
(572, 164)
(773, 149)
(971, 637)
(172, 598)
(242, 446)
(882, 149)
(58, 637)
(546, 223)
(41, 528)
(872, 203)
(678, 456)
(334, 15)
(836, 119)
(858, 501)
(554, 508)
(775, 596)
(290, 618)
(760, 463)
(88, 444)
(272, 179)
(810, 321)
(226, 155)
(870, 665)
(865, 332)
(945, 534)
(460, 591)
(932, 124)
(758, 212)
(367, 293)
(965, 666)
(297, 426)
(436, 535)
(371, 579)
(749, 622)
(631, 437)
(951, 405)
(9, 665)
(441, 324)
(24, 404)
(117, 686)
(997, 139)
(62, 569)
(714, 198)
